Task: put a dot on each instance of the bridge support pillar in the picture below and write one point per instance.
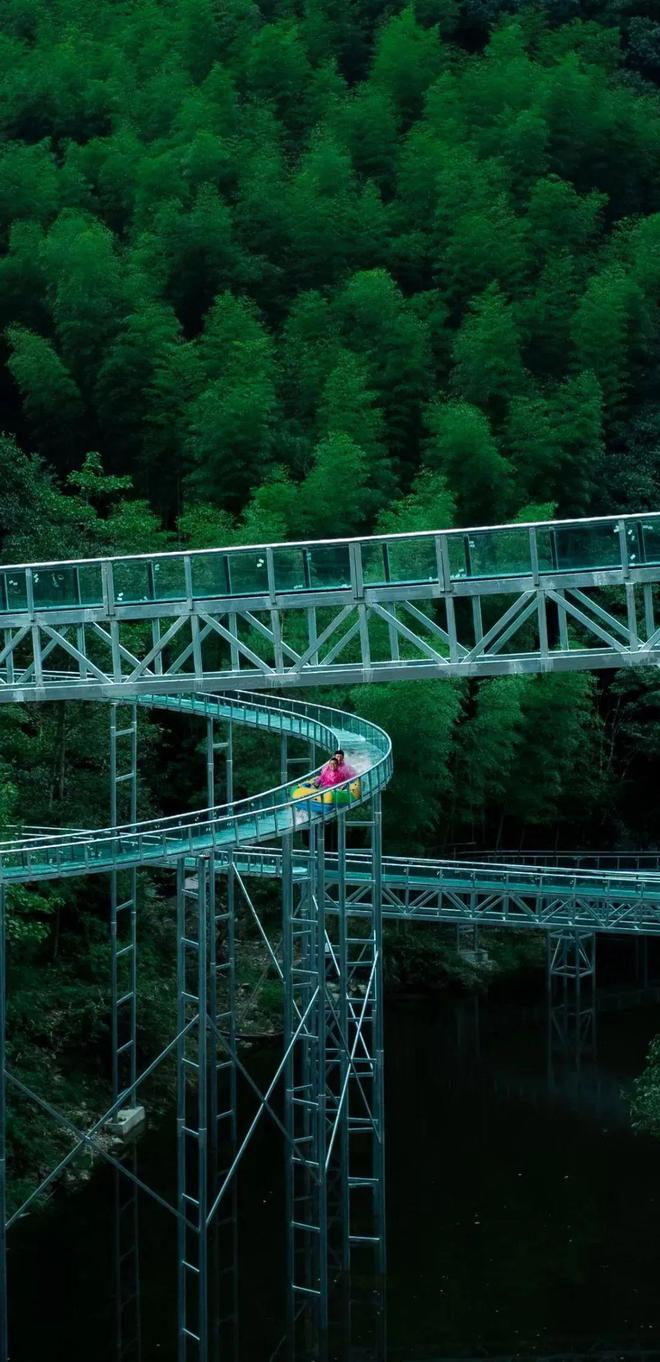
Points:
(206, 1107)
(123, 958)
(4, 1344)
(571, 984)
(123, 904)
(335, 1168)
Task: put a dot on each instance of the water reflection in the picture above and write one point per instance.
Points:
(357, 1331)
(522, 1215)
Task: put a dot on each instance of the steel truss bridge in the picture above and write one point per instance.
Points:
(198, 633)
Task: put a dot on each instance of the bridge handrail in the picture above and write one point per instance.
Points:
(442, 558)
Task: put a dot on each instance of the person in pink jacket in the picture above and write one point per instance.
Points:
(335, 771)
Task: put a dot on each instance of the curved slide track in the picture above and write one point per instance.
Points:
(258, 818)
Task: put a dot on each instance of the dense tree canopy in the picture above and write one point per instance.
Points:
(324, 266)
(357, 265)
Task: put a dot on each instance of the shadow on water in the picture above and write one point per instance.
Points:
(522, 1214)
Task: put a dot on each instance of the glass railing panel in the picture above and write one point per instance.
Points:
(581, 548)
(635, 542)
(329, 566)
(497, 553)
(546, 552)
(375, 566)
(650, 537)
(90, 584)
(248, 573)
(412, 560)
(290, 568)
(457, 552)
(15, 590)
(53, 586)
(132, 581)
(209, 574)
(169, 579)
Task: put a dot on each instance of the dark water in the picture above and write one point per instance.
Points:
(522, 1210)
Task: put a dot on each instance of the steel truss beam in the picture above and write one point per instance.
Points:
(469, 896)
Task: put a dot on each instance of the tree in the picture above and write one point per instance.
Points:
(202, 257)
(481, 244)
(534, 446)
(644, 46)
(23, 279)
(560, 219)
(368, 122)
(87, 290)
(462, 446)
(230, 422)
(487, 364)
(279, 71)
(555, 773)
(407, 58)
(125, 377)
(545, 314)
(51, 400)
(29, 184)
(321, 213)
(578, 417)
(273, 514)
(337, 485)
(380, 325)
(603, 331)
(488, 743)
(349, 407)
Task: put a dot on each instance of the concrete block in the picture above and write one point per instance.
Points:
(127, 1120)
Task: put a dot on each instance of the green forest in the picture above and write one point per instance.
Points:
(319, 268)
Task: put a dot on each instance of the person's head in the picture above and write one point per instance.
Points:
(339, 756)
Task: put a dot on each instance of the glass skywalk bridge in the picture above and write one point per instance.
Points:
(543, 596)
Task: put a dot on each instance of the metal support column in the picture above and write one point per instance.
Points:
(194, 909)
(212, 748)
(223, 1119)
(123, 903)
(365, 1092)
(206, 1113)
(4, 1345)
(354, 1074)
(305, 1086)
(123, 946)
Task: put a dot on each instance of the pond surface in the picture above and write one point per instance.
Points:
(522, 1210)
